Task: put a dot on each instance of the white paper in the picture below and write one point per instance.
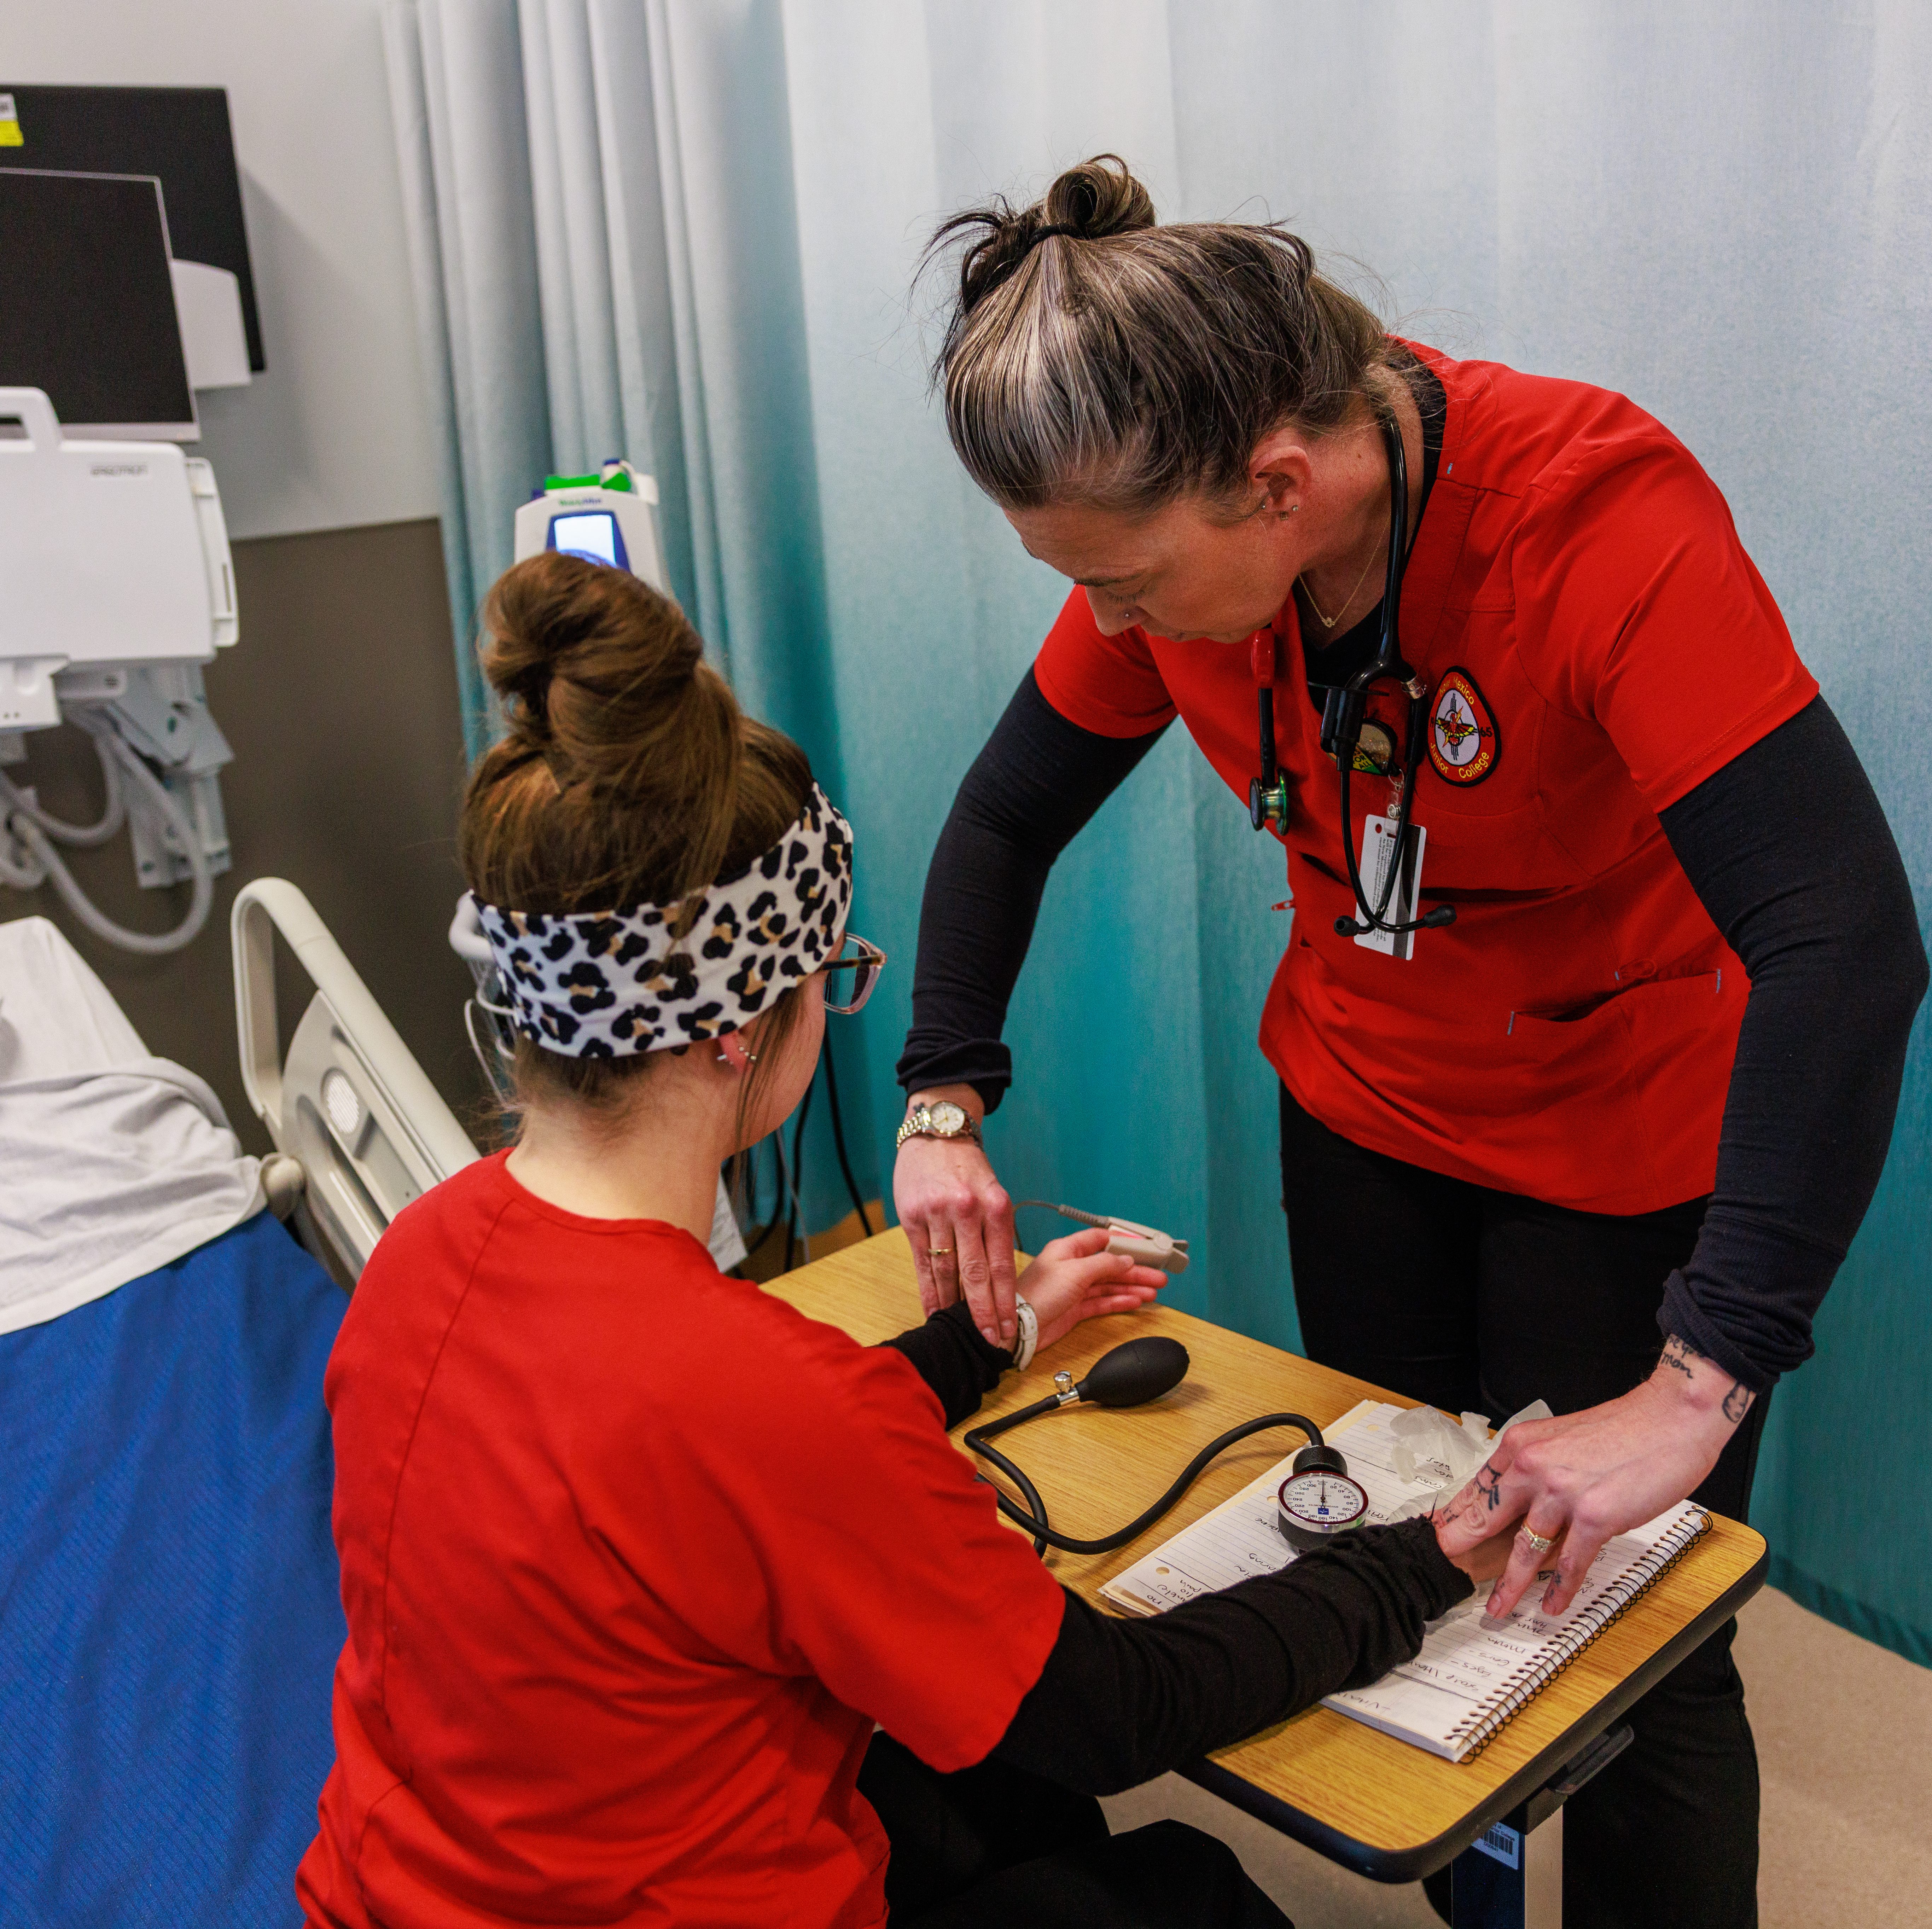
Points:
(1240, 1537)
(1468, 1663)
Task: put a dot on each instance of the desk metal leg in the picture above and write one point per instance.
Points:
(1511, 1877)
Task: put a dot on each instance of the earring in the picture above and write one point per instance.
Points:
(743, 1058)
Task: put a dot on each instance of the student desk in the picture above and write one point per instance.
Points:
(1375, 1805)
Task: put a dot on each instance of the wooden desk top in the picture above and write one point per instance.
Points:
(1376, 1804)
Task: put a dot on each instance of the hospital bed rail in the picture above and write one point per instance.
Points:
(349, 1102)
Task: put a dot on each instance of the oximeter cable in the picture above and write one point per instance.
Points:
(1131, 1375)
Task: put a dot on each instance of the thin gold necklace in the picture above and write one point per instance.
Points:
(1329, 622)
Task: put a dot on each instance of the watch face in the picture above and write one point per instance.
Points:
(947, 1117)
(1322, 1502)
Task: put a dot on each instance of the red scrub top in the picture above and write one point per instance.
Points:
(1597, 643)
(634, 1556)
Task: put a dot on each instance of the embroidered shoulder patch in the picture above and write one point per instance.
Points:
(1463, 741)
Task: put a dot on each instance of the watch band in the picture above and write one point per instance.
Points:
(919, 1124)
(1027, 1345)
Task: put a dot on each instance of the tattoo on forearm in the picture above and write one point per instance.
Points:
(1677, 1355)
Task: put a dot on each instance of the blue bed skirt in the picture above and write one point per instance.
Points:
(170, 1614)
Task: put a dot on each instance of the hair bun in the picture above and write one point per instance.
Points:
(585, 659)
(628, 775)
(1090, 202)
(1098, 198)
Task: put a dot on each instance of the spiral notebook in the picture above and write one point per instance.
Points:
(1473, 1674)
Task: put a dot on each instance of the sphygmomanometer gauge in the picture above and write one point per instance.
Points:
(1318, 1500)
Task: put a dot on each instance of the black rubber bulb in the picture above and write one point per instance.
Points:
(1140, 1370)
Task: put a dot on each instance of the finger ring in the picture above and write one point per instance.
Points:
(937, 1252)
(1538, 1543)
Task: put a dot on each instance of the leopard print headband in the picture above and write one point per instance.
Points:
(612, 984)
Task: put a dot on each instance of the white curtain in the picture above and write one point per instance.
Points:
(687, 231)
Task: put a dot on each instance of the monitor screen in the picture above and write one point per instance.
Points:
(89, 314)
(180, 135)
(593, 536)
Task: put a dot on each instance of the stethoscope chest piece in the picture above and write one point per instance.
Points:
(1318, 1500)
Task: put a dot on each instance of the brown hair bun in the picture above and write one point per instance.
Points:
(628, 775)
(1098, 198)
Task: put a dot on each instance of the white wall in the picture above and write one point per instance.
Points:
(336, 433)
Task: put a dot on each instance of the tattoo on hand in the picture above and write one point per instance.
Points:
(1490, 1485)
(1677, 1355)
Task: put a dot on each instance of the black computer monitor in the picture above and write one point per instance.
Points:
(181, 135)
(89, 313)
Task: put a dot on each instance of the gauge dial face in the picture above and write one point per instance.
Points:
(1322, 1502)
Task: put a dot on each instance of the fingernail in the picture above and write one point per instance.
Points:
(989, 1336)
(1008, 1332)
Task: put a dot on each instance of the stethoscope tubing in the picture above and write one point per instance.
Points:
(1388, 666)
(1035, 1521)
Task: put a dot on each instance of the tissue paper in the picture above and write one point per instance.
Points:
(1431, 1447)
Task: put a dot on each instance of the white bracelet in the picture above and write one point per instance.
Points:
(1029, 1343)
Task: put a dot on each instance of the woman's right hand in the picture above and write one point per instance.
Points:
(1076, 1278)
(960, 1223)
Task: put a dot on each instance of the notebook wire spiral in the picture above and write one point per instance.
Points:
(1515, 1693)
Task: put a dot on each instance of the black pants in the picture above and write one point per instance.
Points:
(994, 1845)
(1466, 1298)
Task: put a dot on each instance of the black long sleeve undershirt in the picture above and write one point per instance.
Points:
(1788, 849)
(950, 1355)
(1119, 1702)
(1033, 787)
(1785, 846)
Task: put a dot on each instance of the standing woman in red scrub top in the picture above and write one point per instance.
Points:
(1596, 1121)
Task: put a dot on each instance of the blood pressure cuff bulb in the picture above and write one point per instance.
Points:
(614, 984)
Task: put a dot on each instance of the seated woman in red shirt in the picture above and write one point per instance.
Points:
(634, 1556)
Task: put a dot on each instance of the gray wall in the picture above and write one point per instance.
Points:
(340, 701)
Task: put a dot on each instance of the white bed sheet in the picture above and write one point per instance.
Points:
(112, 1162)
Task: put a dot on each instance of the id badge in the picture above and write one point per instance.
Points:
(1379, 849)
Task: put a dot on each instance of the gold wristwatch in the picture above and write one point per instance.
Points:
(942, 1120)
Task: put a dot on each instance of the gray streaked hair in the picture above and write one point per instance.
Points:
(1092, 356)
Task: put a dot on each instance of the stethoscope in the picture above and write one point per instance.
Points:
(1354, 742)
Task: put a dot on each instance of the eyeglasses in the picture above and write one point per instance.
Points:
(865, 961)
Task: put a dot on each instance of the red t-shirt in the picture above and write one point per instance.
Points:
(634, 1556)
(1597, 643)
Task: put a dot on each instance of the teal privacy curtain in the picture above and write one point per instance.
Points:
(1719, 209)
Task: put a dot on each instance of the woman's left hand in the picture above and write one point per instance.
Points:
(1077, 1278)
(1591, 1475)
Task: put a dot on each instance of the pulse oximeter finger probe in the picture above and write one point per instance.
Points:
(1145, 1245)
(1130, 1376)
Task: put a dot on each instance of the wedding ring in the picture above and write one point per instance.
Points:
(1538, 1543)
(942, 1252)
